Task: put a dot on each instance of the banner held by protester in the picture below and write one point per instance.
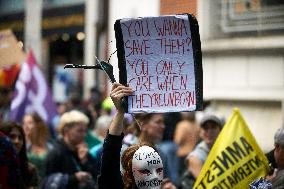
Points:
(160, 58)
(11, 58)
(10, 51)
(32, 93)
(235, 159)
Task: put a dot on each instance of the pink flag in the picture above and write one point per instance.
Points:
(32, 93)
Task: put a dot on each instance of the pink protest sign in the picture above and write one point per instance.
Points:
(160, 58)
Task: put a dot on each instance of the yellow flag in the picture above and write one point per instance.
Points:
(235, 159)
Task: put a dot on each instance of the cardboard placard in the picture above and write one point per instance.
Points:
(160, 58)
(10, 52)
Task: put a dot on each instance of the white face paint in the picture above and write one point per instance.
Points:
(147, 168)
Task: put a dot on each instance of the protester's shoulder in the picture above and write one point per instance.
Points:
(33, 175)
(201, 146)
(182, 124)
(96, 147)
(95, 150)
(32, 168)
(57, 149)
(281, 173)
(199, 151)
(278, 181)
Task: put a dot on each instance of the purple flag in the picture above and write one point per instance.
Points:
(32, 93)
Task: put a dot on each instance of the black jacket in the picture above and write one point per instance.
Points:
(62, 160)
(110, 177)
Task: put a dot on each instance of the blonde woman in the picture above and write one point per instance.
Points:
(70, 154)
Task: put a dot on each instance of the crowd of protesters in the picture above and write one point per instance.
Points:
(69, 153)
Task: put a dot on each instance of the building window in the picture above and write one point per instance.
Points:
(252, 15)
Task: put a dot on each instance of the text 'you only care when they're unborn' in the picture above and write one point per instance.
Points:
(159, 62)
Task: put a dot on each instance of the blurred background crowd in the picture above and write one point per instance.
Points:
(68, 152)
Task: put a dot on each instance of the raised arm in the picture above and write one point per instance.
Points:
(110, 167)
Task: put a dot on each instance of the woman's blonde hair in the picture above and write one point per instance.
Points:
(68, 119)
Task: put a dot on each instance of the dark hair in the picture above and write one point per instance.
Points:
(6, 128)
(126, 162)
